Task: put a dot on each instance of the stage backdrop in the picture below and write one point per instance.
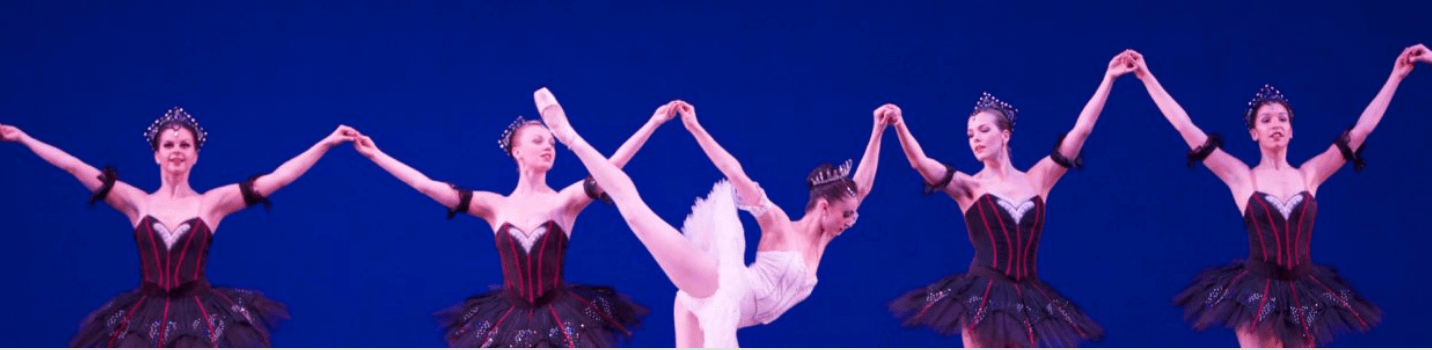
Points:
(363, 260)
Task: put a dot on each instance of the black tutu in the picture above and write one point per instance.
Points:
(1309, 304)
(191, 316)
(1000, 311)
(574, 316)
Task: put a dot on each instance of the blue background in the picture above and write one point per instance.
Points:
(363, 260)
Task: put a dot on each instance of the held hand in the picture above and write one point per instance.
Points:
(1141, 68)
(10, 133)
(688, 114)
(1122, 64)
(343, 134)
(1408, 60)
(365, 146)
(664, 113)
(887, 115)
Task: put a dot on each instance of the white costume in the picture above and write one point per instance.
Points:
(748, 295)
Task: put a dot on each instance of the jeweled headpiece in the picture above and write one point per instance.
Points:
(988, 102)
(831, 175)
(505, 141)
(1268, 94)
(174, 119)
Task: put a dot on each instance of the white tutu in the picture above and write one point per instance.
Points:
(715, 227)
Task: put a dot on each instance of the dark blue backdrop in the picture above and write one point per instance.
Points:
(362, 260)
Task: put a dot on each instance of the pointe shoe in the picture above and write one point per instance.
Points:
(544, 99)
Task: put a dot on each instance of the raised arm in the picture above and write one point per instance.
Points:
(749, 191)
(870, 162)
(1322, 166)
(1229, 169)
(937, 176)
(479, 203)
(580, 194)
(119, 195)
(231, 198)
(1048, 171)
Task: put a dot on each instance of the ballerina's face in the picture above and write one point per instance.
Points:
(534, 147)
(1272, 126)
(840, 214)
(175, 150)
(986, 136)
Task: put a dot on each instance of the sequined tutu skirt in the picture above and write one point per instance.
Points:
(571, 316)
(1308, 304)
(195, 315)
(999, 311)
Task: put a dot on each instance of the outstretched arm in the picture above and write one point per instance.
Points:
(481, 203)
(1048, 171)
(579, 195)
(870, 162)
(121, 196)
(231, 198)
(1229, 169)
(1322, 166)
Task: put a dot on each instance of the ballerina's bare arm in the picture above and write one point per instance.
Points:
(865, 175)
(934, 172)
(1322, 166)
(121, 196)
(1232, 171)
(228, 199)
(1047, 172)
(748, 190)
(480, 204)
